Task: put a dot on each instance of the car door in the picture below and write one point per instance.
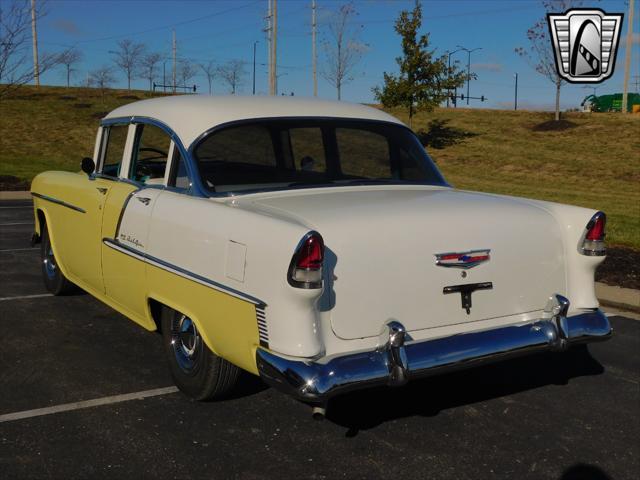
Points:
(127, 213)
(79, 238)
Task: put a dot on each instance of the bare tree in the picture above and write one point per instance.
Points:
(16, 68)
(68, 59)
(128, 57)
(102, 78)
(148, 65)
(232, 73)
(540, 52)
(342, 48)
(186, 71)
(210, 71)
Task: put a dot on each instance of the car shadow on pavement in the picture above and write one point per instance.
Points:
(427, 397)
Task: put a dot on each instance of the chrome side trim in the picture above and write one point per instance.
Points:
(59, 202)
(194, 277)
(397, 360)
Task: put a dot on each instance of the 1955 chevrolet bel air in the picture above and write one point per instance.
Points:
(313, 243)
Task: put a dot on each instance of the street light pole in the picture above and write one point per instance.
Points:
(449, 75)
(515, 103)
(254, 66)
(468, 65)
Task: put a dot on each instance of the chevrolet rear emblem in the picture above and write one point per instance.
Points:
(463, 260)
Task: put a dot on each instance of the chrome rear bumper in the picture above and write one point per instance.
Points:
(394, 362)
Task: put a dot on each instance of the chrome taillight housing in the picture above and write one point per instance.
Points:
(305, 270)
(592, 242)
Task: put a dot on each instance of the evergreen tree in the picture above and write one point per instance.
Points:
(424, 80)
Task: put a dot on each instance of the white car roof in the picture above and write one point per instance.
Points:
(191, 115)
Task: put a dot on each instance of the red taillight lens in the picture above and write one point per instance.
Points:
(593, 239)
(305, 270)
(311, 253)
(595, 229)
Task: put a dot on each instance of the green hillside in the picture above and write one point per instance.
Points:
(593, 162)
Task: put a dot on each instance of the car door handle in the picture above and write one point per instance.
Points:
(102, 190)
(144, 200)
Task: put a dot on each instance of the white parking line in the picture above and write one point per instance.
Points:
(25, 297)
(66, 407)
(18, 249)
(15, 223)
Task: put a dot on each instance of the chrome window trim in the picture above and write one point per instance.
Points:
(58, 202)
(197, 189)
(169, 267)
(244, 121)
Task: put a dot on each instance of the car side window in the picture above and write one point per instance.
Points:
(116, 136)
(149, 156)
(179, 177)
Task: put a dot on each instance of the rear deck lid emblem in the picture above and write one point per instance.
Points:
(463, 260)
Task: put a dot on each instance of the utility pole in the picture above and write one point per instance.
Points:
(448, 75)
(254, 66)
(627, 59)
(34, 34)
(468, 65)
(174, 61)
(269, 37)
(515, 103)
(274, 47)
(313, 48)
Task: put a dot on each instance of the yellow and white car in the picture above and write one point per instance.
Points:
(313, 243)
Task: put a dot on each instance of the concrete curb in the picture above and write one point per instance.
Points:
(17, 195)
(617, 297)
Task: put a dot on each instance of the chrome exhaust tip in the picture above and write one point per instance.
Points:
(318, 413)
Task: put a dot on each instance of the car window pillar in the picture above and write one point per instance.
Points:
(128, 152)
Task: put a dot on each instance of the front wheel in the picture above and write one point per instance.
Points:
(54, 279)
(195, 369)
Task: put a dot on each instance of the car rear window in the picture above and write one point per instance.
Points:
(305, 153)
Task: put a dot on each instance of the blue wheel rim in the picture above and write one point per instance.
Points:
(185, 341)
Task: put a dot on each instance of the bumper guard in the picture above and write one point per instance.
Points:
(394, 362)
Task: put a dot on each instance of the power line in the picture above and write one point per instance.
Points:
(164, 27)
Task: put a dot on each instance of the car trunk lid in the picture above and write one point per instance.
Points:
(381, 255)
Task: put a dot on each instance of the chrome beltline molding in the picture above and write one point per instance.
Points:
(156, 262)
(59, 202)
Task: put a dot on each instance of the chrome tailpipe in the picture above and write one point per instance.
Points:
(318, 413)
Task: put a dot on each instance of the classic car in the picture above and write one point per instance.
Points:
(312, 243)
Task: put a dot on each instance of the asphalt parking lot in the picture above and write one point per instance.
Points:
(552, 416)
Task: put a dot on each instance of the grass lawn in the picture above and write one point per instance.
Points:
(594, 164)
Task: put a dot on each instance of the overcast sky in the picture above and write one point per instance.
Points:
(221, 30)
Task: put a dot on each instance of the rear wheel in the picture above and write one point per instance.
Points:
(196, 370)
(54, 279)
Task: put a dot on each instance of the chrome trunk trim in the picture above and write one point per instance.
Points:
(396, 361)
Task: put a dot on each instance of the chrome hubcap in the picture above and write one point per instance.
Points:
(185, 341)
(50, 262)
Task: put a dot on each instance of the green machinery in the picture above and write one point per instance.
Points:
(609, 103)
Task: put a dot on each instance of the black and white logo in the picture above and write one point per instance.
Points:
(585, 43)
